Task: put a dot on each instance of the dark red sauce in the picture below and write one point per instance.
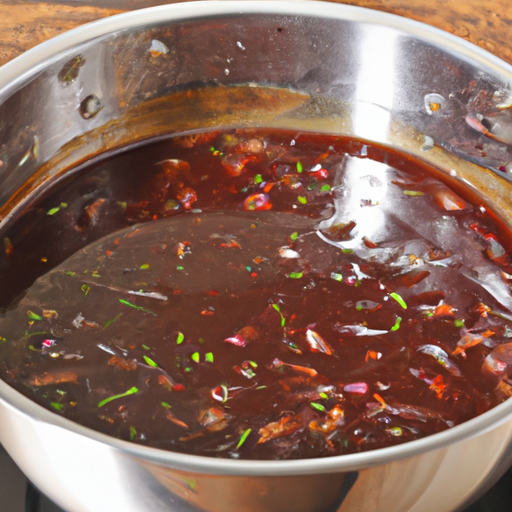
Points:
(258, 294)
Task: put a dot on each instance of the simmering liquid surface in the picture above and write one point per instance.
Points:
(258, 294)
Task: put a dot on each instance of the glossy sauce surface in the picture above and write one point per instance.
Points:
(258, 294)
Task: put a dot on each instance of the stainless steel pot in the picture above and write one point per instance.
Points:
(308, 66)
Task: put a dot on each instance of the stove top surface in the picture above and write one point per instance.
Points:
(17, 495)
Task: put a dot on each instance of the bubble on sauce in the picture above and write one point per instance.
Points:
(434, 103)
(69, 72)
(158, 48)
(90, 106)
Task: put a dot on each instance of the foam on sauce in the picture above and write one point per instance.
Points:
(258, 294)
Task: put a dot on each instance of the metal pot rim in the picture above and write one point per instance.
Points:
(17, 72)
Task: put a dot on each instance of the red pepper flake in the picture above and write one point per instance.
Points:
(207, 312)
(438, 386)
(213, 292)
(444, 310)
(372, 354)
(254, 274)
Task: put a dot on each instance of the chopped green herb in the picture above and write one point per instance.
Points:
(325, 396)
(86, 289)
(180, 338)
(138, 308)
(395, 431)
(248, 268)
(63, 205)
(258, 178)
(195, 357)
(57, 406)
(302, 200)
(399, 299)
(180, 267)
(325, 188)
(188, 369)
(428, 313)
(336, 276)
(133, 433)
(459, 322)
(299, 167)
(69, 273)
(122, 204)
(208, 357)
(413, 193)
(318, 407)
(313, 185)
(294, 236)
(166, 405)
(243, 438)
(33, 316)
(261, 387)
(131, 391)
(150, 362)
(145, 347)
(201, 340)
(295, 275)
(53, 211)
(145, 266)
(112, 320)
(278, 309)
(253, 364)
(397, 324)
(34, 349)
(347, 251)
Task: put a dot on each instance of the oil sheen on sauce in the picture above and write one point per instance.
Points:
(258, 294)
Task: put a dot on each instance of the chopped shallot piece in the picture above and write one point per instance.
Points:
(213, 419)
(170, 416)
(317, 343)
(122, 363)
(277, 363)
(242, 337)
(335, 418)
(470, 340)
(359, 388)
(285, 426)
(286, 252)
(447, 199)
(57, 377)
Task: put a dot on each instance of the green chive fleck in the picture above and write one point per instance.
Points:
(33, 316)
(69, 273)
(131, 391)
(413, 193)
(86, 289)
(57, 406)
(278, 309)
(459, 322)
(261, 387)
(323, 395)
(336, 276)
(145, 266)
(248, 268)
(208, 357)
(180, 338)
(244, 436)
(53, 211)
(166, 405)
(318, 407)
(258, 179)
(399, 299)
(133, 433)
(299, 167)
(195, 357)
(325, 188)
(138, 308)
(395, 431)
(150, 362)
(295, 275)
(112, 320)
(428, 313)
(302, 200)
(347, 251)
(145, 347)
(294, 236)
(397, 324)
(180, 267)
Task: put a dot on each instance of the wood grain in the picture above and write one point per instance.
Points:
(24, 23)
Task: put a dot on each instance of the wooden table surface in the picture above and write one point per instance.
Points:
(25, 23)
